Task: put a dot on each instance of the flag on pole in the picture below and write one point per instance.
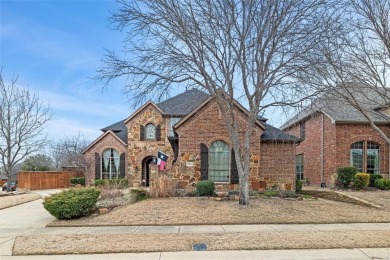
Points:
(162, 159)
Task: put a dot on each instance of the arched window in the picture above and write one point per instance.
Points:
(110, 164)
(357, 155)
(365, 156)
(372, 157)
(150, 132)
(219, 162)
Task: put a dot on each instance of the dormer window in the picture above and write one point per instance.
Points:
(150, 132)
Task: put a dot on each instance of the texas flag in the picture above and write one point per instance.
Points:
(162, 159)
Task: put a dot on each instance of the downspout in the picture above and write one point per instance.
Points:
(322, 150)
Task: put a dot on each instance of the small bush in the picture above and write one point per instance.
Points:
(272, 193)
(162, 187)
(205, 188)
(76, 181)
(345, 175)
(382, 184)
(72, 203)
(138, 195)
(298, 185)
(373, 178)
(117, 183)
(361, 180)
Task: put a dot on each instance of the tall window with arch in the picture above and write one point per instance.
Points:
(150, 132)
(219, 162)
(365, 155)
(110, 164)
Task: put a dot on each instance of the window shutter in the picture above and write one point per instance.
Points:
(158, 133)
(234, 177)
(122, 166)
(97, 166)
(142, 133)
(204, 162)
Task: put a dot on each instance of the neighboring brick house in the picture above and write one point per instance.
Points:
(189, 128)
(333, 134)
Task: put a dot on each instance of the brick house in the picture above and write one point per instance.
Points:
(334, 134)
(189, 129)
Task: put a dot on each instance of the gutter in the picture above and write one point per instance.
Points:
(322, 151)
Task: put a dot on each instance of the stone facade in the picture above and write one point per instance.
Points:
(326, 146)
(272, 163)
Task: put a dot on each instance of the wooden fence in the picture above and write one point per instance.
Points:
(46, 180)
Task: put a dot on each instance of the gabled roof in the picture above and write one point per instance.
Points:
(259, 120)
(272, 133)
(183, 103)
(141, 108)
(339, 110)
(101, 137)
(119, 129)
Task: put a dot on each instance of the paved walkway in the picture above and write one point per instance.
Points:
(31, 218)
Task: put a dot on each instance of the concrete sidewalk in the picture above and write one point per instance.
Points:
(312, 254)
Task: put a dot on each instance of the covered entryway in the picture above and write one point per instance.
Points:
(145, 178)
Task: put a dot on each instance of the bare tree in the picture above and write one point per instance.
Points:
(22, 120)
(57, 154)
(356, 66)
(250, 50)
(72, 151)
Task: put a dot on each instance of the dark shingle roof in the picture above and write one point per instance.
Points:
(184, 103)
(341, 111)
(119, 129)
(272, 133)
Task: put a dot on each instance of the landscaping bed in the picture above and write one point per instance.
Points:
(196, 211)
(134, 243)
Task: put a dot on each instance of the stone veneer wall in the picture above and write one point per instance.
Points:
(138, 150)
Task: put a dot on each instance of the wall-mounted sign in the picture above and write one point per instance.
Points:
(190, 164)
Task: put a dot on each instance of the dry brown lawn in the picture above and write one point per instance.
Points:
(16, 199)
(134, 243)
(194, 211)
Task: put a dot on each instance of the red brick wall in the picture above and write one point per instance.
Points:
(337, 142)
(277, 164)
(108, 141)
(207, 126)
(310, 147)
(348, 134)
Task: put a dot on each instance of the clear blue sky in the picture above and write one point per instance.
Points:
(55, 47)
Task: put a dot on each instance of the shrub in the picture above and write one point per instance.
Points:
(345, 175)
(361, 180)
(382, 184)
(76, 181)
(373, 178)
(117, 183)
(162, 187)
(298, 185)
(205, 188)
(138, 195)
(72, 203)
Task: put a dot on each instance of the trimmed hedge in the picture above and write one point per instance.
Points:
(76, 181)
(382, 184)
(205, 188)
(298, 185)
(373, 178)
(72, 203)
(345, 175)
(120, 182)
(361, 180)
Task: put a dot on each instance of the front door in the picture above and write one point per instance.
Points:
(146, 170)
